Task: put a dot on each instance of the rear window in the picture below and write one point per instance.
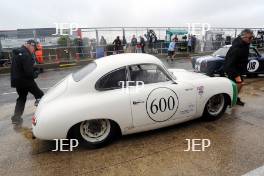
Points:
(112, 80)
(79, 75)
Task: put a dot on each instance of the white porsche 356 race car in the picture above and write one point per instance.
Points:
(128, 93)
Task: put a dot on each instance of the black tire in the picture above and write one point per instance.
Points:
(252, 75)
(209, 114)
(85, 138)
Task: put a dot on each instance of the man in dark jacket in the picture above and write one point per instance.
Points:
(22, 78)
(237, 58)
(133, 44)
(142, 43)
(117, 44)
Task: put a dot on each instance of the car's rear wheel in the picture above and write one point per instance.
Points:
(96, 133)
(215, 107)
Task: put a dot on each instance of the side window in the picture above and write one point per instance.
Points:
(148, 73)
(112, 80)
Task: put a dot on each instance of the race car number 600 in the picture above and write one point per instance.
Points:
(162, 104)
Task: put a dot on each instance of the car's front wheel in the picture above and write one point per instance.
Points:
(215, 107)
(96, 133)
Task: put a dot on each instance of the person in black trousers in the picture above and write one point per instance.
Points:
(237, 58)
(117, 45)
(22, 78)
(142, 44)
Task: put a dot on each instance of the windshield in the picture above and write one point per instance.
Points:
(221, 52)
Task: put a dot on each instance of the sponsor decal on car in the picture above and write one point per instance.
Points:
(189, 109)
(162, 104)
(200, 90)
(235, 92)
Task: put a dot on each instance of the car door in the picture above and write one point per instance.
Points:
(254, 62)
(160, 101)
(114, 100)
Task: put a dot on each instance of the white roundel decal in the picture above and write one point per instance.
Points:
(162, 104)
(252, 65)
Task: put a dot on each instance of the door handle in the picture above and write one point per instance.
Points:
(137, 102)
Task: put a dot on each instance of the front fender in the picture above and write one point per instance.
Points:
(211, 87)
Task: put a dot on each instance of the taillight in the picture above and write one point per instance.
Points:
(34, 121)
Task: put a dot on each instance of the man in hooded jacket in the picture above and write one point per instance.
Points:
(237, 58)
(22, 78)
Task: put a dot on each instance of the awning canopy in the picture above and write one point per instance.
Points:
(176, 32)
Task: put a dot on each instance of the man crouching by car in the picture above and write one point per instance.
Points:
(22, 78)
(237, 58)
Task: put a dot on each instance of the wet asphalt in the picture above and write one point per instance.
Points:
(237, 141)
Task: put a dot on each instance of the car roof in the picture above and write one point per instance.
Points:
(107, 64)
(119, 60)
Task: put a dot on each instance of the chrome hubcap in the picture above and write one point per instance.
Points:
(95, 130)
(216, 104)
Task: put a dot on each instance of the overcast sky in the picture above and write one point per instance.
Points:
(124, 13)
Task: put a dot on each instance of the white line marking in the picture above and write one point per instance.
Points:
(256, 172)
(9, 93)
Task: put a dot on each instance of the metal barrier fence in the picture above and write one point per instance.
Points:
(76, 53)
(52, 53)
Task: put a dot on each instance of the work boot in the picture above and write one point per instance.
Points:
(239, 102)
(36, 102)
(16, 120)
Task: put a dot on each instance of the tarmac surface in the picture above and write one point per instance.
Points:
(237, 141)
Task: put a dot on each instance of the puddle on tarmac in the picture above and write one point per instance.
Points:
(38, 146)
(210, 128)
